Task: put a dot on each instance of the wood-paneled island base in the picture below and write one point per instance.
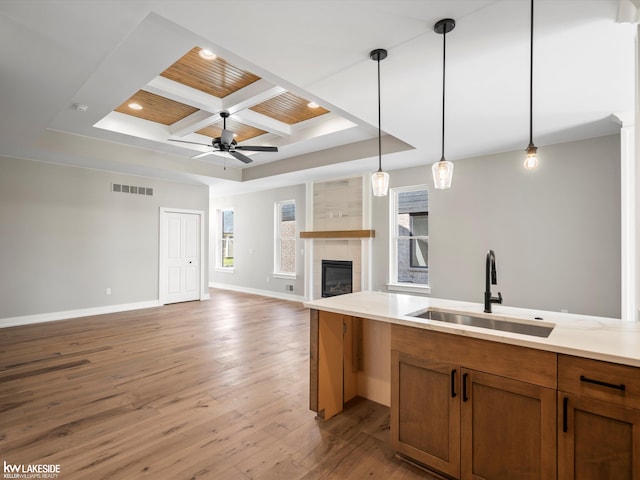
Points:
(477, 408)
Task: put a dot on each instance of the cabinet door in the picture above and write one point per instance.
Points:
(508, 428)
(597, 440)
(425, 412)
(333, 363)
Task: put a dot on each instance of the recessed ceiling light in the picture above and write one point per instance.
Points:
(312, 105)
(207, 54)
(80, 107)
(135, 106)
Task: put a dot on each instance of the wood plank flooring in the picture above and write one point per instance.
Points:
(199, 390)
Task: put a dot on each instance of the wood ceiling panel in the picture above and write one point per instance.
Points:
(216, 77)
(243, 132)
(156, 108)
(288, 108)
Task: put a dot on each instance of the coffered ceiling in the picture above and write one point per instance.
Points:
(207, 83)
(66, 90)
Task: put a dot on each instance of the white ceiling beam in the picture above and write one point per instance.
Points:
(193, 123)
(183, 94)
(134, 126)
(253, 94)
(263, 122)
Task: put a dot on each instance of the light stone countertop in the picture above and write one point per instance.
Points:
(599, 338)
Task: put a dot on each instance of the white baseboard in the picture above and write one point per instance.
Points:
(83, 312)
(256, 291)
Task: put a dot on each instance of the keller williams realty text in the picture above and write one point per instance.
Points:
(31, 471)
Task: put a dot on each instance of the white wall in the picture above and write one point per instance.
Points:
(636, 247)
(254, 242)
(555, 232)
(66, 237)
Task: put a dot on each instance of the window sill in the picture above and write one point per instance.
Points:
(288, 276)
(408, 288)
(225, 269)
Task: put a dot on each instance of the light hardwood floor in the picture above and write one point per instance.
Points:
(199, 390)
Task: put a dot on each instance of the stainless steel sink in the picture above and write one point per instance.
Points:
(538, 330)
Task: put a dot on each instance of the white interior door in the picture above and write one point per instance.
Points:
(182, 257)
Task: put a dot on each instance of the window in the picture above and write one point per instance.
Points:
(409, 253)
(420, 233)
(225, 239)
(285, 238)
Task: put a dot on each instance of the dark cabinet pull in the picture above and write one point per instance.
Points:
(620, 386)
(464, 387)
(565, 420)
(453, 383)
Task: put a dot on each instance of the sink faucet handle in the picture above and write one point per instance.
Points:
(499, 297)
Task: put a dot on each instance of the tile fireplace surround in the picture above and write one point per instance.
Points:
(338, 206)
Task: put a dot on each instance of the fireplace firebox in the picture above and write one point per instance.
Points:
(337, 277)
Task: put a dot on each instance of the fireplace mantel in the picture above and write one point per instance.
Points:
(339, 234)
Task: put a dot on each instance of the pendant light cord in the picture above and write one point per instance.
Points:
(379, 122)
(531, 82)
(444, 59)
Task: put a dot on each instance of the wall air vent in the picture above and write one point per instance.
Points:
(131, 189)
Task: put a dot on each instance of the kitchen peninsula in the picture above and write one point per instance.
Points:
(472, 402)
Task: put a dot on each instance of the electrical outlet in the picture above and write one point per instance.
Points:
(108, 291)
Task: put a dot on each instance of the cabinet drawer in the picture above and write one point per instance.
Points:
(606, 381)
(520, 363)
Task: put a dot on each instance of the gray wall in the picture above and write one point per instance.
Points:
(556, 231)
(66, 237)
(254, 241)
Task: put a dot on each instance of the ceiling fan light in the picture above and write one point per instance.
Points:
(380, 183)
(442, 174)
(531, 161)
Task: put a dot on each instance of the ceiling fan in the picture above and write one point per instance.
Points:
(226, 143)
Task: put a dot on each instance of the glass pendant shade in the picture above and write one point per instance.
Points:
(380, 183)
(442, 174)
(531, 162)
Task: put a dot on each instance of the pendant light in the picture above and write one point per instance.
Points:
(531, 161)
(379, 179)
(443, 170)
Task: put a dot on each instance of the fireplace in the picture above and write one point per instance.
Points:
(337, 277)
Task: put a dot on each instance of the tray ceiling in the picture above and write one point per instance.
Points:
(102, 55)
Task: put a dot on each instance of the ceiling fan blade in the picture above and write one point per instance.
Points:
(241, 157)
(226, 137)
(256, 148)
(186, 141)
